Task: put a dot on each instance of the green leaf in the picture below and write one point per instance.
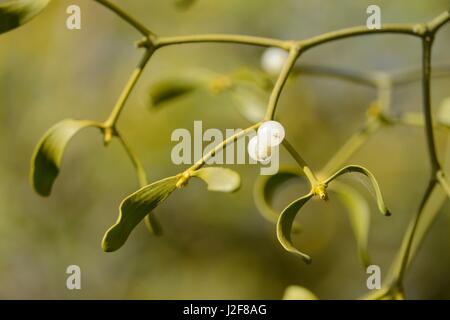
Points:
(359, 215)
(219, 179)
(13, 14)
(298, 293)
(168, 90)
(265, 188)
(133, 210)
(285, 223)
(47, 157)
(372, 180)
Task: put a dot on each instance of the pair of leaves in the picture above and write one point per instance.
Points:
(15, 13)
(46, 164)
(358, 215)
(139, 204)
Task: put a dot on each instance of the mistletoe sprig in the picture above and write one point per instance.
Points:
(46, 161)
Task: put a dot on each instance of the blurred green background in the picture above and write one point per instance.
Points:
(215, 246)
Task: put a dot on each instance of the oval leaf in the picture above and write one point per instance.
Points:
(359, 215)
(265, 188)
(285, 222)
(13, 14)
(358, 169)
(47, 157)
(298, 293)
(219, 179)
(133, 210)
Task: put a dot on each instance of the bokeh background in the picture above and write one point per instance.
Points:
(214, 245)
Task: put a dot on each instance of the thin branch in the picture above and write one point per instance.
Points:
(114, 116)
(220, 38)
(350, 147)
(406, 29)
(139, 168)
(294, 53)
(126, 17)
(301, 162)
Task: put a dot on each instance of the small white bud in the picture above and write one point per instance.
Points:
(273, 59)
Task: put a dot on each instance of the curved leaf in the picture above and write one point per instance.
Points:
(285, 222)
(219, 179)
(265, 188)
(133, 210)
(13, 14)
(358, 169)
(359, 215)
(47, 157)
(298, 293)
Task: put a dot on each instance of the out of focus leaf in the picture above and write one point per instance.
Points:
(372, 180)
(15, 13)
(184, 4)
(254, 77)
(47, 157)
(298, 293)
(219, 179)
(251, 102)
(359, 214)
(133, 210)
(285, 223)
(168, 90)
(443, 115)
(265, 188)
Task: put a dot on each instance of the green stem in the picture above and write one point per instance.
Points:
(294, 53)
(409, 237)
(406, 29)
(140, 171)
(350, 147)
(114, 116)
(200, 163)
(126, 17)
(427, 35)
(302, 163)
(219, 38)
(427, 44)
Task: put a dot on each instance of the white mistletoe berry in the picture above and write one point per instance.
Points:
(273, 59)
(259, 151)
(271, 133)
